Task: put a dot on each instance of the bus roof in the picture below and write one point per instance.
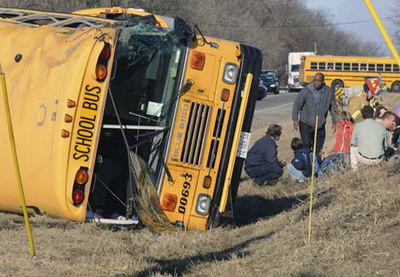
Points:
(346, 58)
(83, 18)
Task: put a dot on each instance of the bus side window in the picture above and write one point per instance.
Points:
(395, 68)
(388, 67)
(338, 66)
(379, 67)
(321, 66)
(371, 67)
(346, 66)
(363, 67)
(354, 67)
(330, 66)
(314, 66)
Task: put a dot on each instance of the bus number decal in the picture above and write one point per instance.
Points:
(87, 123)
(185, 193)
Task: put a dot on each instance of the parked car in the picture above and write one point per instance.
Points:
(269, 80)
(262, 92)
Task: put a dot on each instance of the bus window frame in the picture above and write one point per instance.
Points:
(363, 66)
(388, 65)
(371, 67)
(314, 65)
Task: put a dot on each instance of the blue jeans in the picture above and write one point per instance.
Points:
(294, 173)
(262, 174)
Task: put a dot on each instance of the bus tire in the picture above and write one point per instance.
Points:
(395, 87)
(337, 82)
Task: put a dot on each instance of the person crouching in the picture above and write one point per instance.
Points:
(300, 167)
(262, 163)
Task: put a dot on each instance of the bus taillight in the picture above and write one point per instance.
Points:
(105, 53)
(101, 67)
(101, 72)
(81, 176)
(78, 191)
(78, 196)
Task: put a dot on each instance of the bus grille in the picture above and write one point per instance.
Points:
(198, 122)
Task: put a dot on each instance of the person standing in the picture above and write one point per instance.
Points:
(366, 97)
(314, 99)
(262, 163)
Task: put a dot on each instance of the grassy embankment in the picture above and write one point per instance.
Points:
(356, 232)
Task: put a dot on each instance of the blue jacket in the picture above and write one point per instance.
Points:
(302, 161)
(262, 160)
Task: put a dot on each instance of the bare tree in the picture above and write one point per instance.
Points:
(277, 27)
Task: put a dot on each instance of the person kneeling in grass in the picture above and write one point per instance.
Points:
(300, 167)
(262, 163)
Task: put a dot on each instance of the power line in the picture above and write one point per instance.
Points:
(297, 26)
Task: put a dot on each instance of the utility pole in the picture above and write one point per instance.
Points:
(315, 48)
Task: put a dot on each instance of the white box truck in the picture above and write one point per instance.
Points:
(294, 60)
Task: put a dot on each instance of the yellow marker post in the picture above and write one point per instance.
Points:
(3, 88)
(383, 30)
(312, 180)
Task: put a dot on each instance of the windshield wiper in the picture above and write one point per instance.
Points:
(143, 116)
(185, 88)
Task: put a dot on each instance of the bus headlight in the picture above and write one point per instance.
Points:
(230, 73)
(203, 204)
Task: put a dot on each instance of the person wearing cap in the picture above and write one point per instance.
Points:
(369, 141)
(314, 99)
(365, 98)
(262, 163)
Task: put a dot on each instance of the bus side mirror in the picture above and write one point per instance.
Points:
(182, 29)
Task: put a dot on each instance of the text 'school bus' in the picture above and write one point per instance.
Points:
(89, 89)
(348, 71)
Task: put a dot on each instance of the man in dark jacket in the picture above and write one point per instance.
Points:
(314, 99)
(262, 162)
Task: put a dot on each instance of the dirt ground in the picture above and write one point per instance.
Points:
(355, 231)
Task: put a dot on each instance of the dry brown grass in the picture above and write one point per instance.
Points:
(356, 232)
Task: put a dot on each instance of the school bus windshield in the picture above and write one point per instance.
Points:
(147, 62)
(144, 85)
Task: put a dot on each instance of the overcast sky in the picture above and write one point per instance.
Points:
(355, 10)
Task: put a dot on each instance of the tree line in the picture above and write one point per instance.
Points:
(277, 27)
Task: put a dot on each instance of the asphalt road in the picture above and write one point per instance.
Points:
(273, 109)
(274, 103)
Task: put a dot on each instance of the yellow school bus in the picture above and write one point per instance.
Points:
(91, 89)
(347, 71)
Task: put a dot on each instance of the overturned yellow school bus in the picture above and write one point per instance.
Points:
(90, 90)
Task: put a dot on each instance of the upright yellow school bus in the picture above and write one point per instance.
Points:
(347, 71)
(89, 88)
